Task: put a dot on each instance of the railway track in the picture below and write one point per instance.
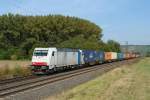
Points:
(9, 88)
(6, 81)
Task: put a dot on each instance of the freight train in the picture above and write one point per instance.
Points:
(47, 60)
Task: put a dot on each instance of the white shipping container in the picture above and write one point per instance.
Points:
(114, 55)
(110, 56)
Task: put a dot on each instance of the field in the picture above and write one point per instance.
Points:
(10, 68)
(125, 83)
(12, 63)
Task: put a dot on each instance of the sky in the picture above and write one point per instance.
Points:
(121, 20)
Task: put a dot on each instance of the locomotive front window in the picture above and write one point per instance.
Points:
(41, 53)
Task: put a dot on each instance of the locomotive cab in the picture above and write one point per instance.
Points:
(41, 60)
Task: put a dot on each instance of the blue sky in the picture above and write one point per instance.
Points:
(121, 20)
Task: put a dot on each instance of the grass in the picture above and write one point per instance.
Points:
(10, 69)
(13, 63)
(125, 83)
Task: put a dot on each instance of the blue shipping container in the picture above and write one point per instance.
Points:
(120, 56)
(91, 56)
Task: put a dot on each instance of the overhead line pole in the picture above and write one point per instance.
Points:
(126, 46)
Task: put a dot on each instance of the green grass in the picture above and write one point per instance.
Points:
(125, 83)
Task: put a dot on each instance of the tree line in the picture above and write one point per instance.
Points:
(19, 35)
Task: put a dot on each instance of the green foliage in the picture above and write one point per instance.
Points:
(113, 46)
(81, 42)
(19, 35)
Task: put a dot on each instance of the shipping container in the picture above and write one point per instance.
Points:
(127, 55)
(110, 56)
(102, 56)
(120, 56)
(92, 57)
(130, 55)
(124, 55)
(134, 55)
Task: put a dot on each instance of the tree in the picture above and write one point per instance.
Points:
(23, 33)
(113, 46)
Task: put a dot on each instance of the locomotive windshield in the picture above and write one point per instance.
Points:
(40, 52)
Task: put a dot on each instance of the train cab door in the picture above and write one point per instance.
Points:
(53, 62)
